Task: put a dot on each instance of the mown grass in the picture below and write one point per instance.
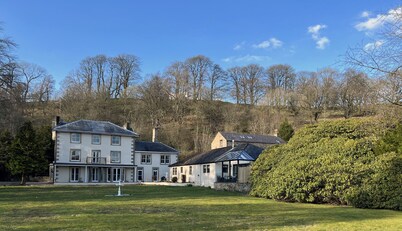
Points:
(174, 208)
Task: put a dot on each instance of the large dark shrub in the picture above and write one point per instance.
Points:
(330, 162)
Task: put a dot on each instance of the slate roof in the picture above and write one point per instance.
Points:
(250, 138)
(247, 152)
(94, 127)
(146, 146)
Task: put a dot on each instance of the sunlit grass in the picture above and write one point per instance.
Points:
(174, 208)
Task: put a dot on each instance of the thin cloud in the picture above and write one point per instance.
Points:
(321, 41)
(315, 30)
(246, 59)
(272, 42)
(276, 42)
(239, 46)
(373, 45)
(365, 14)
(379, 20)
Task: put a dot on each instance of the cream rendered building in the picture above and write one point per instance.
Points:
(88, 151)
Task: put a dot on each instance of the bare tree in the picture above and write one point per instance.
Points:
(125, 70)
(329, 78)
(199, 69)
(281, 82)
(44, 89)
(100, 63)
(311, 93)
(235, 76)
(281, 76)
(247, 83)
(383, 55)
(253, 76)
(155, 95)
(178, 75)
(353, 92)
(31, 74)
(216, 82)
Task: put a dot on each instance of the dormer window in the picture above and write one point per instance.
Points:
(75, 138)
(115, 140)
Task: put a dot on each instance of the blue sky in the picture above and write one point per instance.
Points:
(308, 35)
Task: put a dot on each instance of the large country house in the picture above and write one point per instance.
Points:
(88, 151)
(228, 161)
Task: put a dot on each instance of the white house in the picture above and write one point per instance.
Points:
(153, 159)
(217, 165)
(228, 161)
(88, 151)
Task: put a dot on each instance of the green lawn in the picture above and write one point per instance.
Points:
(174, 208)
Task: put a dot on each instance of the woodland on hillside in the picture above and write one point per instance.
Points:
(194, 98)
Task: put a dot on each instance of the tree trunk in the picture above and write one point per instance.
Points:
(23, 179)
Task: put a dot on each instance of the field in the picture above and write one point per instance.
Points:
(173, 208)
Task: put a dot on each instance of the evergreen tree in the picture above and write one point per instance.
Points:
(6, 140)
(286, 131)
(25, 157)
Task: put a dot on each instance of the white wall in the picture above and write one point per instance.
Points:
(63, 147)
(155, 163)
(198, 177)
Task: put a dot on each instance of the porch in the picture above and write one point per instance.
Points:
(91, 173)
(235, 167)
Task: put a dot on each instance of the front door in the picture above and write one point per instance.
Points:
(95, 156)
(140, 174)
(155, 174)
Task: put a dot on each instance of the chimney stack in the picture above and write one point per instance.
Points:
(127, 126)
(56, 121)
(275, 132)
(154, 134)
(233, 145)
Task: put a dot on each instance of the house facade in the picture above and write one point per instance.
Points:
(217, 165)
(153, 160)
(89, 151)
(227, 139)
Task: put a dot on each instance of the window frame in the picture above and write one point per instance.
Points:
(147, 158)
(190, 170)
(225, 168)
(71, 155)
(119, 157)
(165, 158)
(75, 141)
(174, 171)
(100, 139)
(115, 144)
(206, 168)
(74, 171)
